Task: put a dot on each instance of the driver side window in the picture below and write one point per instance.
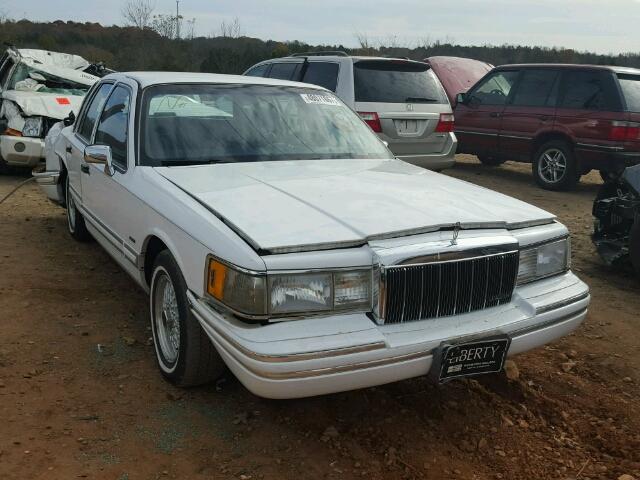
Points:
(112, 129)
(85, 129)
(495, 89)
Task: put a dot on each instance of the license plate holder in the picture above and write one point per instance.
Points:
(471, 358)
(406, 127)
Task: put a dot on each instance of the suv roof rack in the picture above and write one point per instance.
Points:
(338, 53)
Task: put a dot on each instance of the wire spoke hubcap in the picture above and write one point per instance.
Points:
(71, 211)
(553, 165)
(167, 318)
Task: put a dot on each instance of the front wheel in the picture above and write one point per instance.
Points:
(185, 354)
(75, 221)
(554, 166)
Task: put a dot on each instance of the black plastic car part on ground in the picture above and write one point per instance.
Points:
(616, 210)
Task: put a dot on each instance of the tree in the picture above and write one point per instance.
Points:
(231, 29)
(165, 25)
(138, 13)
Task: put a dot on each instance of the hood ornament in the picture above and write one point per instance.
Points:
(456, 232)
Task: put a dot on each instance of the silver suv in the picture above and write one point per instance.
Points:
(401, 100)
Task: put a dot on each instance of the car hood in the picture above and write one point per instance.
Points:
(51, 105)
(286, 206)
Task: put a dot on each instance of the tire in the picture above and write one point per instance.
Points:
(185, 355)
(490, 161)
(634, 246)
(5, 169)
(75, 221)
(555, 167)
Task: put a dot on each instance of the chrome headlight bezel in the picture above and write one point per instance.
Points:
(282, 295)
(544, 260)
(32, 127)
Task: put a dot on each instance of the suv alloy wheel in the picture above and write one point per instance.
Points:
(554, 166)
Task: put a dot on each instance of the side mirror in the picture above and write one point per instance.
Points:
(70, 120)
(460, 98)
(100, 155)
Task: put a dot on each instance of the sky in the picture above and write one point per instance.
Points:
(602, 26)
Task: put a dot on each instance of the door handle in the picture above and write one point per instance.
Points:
(85, 169)
(68, 149)
(544, 118)
(495, 114)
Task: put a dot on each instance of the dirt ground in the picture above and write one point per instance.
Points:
(80, 396)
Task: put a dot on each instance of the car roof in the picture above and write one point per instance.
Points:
(146, 79)
(354, 58)
(570, 66)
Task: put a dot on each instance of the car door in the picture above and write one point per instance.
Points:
(82, 136)
(103, 195)
(530, 112)
(588, 105)
(479, 118)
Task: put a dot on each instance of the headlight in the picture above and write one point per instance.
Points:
(300, 293)
(240, 291)
(544, 260)
(319, 291)
(32, 127)
(285, 294)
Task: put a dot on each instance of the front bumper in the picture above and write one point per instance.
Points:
(21, 151)
(435, 161)
(336, 353)
(49, 181)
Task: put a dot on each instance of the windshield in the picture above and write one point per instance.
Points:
(194, 124)
(396, 81)
(26, 78)
(630, 85)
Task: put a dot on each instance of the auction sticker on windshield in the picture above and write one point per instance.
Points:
(320, 99)
(473, 358)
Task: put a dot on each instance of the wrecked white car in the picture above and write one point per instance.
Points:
(38, 88)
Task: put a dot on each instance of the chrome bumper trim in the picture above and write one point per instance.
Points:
(562, 303)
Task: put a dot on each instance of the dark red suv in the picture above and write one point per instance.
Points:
(565, 119)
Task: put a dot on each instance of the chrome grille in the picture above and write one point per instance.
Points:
(441, 289)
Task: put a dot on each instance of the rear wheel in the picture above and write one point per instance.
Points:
(554, 166)
(490, 160)
(186, 357)
(75, 220)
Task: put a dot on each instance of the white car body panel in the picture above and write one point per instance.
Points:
(282, 204)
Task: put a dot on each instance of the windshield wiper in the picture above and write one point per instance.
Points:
(182, 163)
(420, 100)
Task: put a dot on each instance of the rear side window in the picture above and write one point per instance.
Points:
(259, 71)
(586, 90)
(85, 130)
(537, 88)
(324, 74)
(284, 71)
(494, 89)
(630, 85)
(396, 82)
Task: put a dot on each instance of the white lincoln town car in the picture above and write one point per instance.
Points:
(279, 237)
